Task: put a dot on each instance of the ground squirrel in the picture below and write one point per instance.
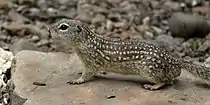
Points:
(128, 57)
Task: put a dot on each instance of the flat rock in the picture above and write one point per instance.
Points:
(55, 69)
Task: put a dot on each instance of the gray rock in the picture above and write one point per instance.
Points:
(22, 44)
(186, 25)
(55, 69)
(207, 62)
(99, 18)
(99, 9)
(84, 17)
(35, 38)
(205, 46)
(175, 6)
(155, 4)
(194, 3)
(157, 30)
(70, 13)
(16, 17)
(6, 58)
(167, 42)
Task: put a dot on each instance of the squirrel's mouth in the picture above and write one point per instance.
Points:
(52, 34)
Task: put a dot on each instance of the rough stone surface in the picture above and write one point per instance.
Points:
(55, 69)
(207, 62)
(6, 58)
(167, 42)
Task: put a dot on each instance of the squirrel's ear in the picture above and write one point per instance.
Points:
(79, 28)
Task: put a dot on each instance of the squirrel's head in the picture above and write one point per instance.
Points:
(71, 31)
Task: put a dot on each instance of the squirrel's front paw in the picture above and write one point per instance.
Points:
(76, 81)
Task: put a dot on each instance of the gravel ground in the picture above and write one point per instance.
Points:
(24, 23)
(180, 26)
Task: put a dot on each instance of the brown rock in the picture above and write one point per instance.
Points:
(204, 10)
(5, 3)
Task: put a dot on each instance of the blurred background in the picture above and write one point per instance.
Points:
(180, 26)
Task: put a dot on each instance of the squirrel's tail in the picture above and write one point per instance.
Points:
(197, 70)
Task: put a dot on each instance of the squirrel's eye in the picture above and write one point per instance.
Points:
(63, 27)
